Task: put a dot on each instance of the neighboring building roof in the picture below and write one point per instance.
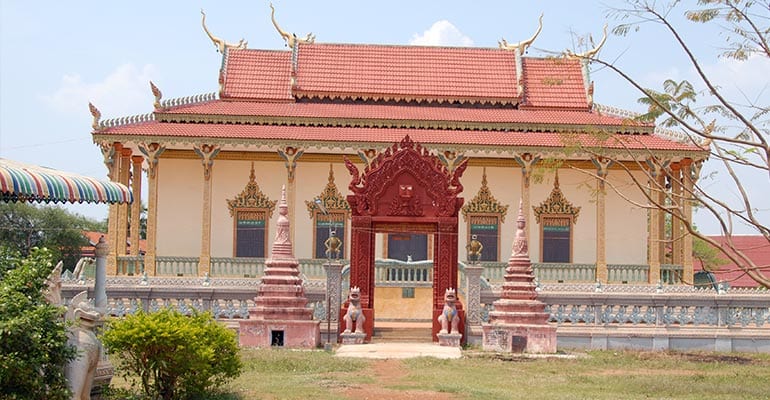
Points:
(756, 247)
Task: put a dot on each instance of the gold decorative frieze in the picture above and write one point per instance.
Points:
(252, 197)
(556, 203)
(330, 197)
(484, 202)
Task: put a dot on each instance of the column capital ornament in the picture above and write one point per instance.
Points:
(207, 153)
(367, 155)
(602, 165)
(152, 152)
(108, 153)
(527, 162)
(657, 166)
(451, 160)
(484, 202)
(290, 156)
(556, 203)
(251, 197)
(330, 197)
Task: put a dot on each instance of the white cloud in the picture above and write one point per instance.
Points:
(441, 33)
(741, 80)
(124, 91)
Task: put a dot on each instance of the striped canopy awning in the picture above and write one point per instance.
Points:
(30, 183)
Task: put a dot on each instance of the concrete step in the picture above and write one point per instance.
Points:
(402, 334)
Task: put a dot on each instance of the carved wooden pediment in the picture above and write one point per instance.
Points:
(405, 180)
(556, 203)
(330, 197)
(252, 197)
(485, 202)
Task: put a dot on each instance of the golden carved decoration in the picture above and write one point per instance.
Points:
(484, 202)
(524, 44)
(291, 39)
(252, 197)
(220, 44)
(556, 203)
(97, 115)
(157, 94)
(590, 53)
(330, 198)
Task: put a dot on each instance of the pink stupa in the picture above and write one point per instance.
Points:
(281, 316)
(519, 321)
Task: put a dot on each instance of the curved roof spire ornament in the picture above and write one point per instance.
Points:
(524, 44)
(157, 94)
(95, 124)
(291, 39)
(590, 53)
(220, 44)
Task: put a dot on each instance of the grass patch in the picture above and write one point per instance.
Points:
(287, 374)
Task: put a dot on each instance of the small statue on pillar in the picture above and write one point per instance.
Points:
(474, 248)
(449, 319)
(354, 319)
(333, 246)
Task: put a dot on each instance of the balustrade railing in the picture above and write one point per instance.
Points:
(400, 273)
(177, 266)
(628, 273)
(564, 272)
(671, 274)
(130, 265)
(246, 267)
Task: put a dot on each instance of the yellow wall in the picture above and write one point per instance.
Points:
(180, 193)
(626, 222)
(389, 304)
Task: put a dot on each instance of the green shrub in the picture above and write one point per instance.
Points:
(33, 338)
(174, 356)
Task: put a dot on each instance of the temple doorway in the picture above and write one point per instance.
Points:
(405, 190)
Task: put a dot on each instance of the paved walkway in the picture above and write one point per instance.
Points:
(397, 350)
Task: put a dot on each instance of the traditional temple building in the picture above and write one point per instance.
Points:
(521, 128)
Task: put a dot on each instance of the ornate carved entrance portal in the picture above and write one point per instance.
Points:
(404, 189)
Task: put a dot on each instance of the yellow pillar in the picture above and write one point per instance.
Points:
(111, 154)
(136, 206)
(602, 168)
(152, 152)
(122, 234)
(290, 156)
(676, 223)
(207, 153)
(653, 222)
(687, 187)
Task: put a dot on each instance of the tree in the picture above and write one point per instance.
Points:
(33, 338)
(25, 226)
(734, 131)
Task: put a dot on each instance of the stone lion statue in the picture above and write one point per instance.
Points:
(354, 318)
(449, 319)
(80, 371)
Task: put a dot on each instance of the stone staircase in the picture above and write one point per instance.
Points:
(402, 332)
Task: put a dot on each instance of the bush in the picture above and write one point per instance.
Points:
(175, 356)
(33, 337)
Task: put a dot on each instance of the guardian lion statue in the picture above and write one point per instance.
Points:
(354, 315)
(449, 317)
(80, 371)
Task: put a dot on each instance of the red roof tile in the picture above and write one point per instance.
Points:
(756, 248)
(553, 83)
(391, 135)
(257, 74)
(407, 113)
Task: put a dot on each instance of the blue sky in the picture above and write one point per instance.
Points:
(57, 56)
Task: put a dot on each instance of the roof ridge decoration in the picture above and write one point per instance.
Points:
(615, 111)
(522, 46)
(188, 100)
(291, 39)
(330, 197)
(484, 202)
(589, 54)
(556, 203)
(127, 120)
(158, 95)
(252, 197)
(220, 44)
(97, 115)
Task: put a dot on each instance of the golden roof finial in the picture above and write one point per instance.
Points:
(590, 53)
(97, 115)
(291, 39)
(220, 44)
(524, 44)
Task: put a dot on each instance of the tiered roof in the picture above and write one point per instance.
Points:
(369, 94)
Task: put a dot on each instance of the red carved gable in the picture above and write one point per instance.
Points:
(405, 181)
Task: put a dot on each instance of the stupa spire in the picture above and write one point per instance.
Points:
(282, 248)
(520, 243)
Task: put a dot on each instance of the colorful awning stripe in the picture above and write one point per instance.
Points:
(25, 182)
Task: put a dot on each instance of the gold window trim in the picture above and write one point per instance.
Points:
(251, 199)
(335, 205)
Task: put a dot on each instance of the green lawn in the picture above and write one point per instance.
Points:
(287, 374)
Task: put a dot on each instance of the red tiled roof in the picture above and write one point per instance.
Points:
(407, 113)
(756, 248)
(553, 83)
(257, 74)
(391, 135)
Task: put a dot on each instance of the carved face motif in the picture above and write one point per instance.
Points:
(355, 295)
(450, 296)
(405, 191)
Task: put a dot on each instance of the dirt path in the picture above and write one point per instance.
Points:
(390, 373)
